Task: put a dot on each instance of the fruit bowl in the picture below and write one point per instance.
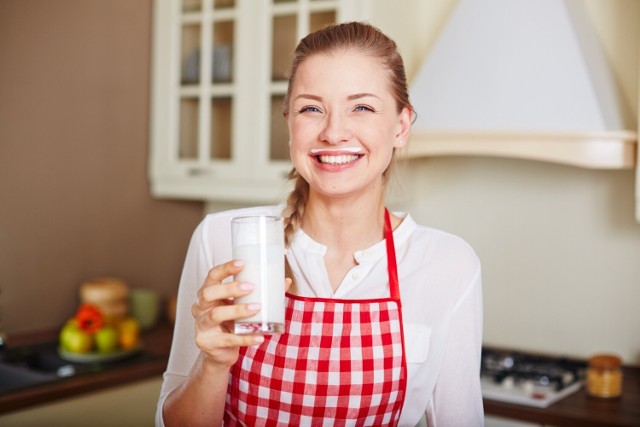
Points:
(94, 356)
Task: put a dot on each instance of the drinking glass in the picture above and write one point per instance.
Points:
(259, 242)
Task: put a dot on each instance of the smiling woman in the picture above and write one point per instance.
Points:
(332, 110)
(383, 313)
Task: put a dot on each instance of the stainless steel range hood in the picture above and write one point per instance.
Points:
(523, 79)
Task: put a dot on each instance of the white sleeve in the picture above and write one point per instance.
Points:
(184, 352)
(457, 397)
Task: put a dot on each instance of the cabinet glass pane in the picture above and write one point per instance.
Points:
(188, 145)
(284, 43)
(221, 128)
(190, 54)
(320, 20)
(191, 5)
(222, 53)
(279, 138)
(222, 4)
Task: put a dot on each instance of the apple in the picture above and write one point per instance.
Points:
(74, 339)
(106, 339)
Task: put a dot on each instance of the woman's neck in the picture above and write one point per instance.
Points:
(345, 225)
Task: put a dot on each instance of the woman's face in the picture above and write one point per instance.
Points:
(343, 123)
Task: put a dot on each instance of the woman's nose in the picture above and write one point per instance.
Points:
(336, 129)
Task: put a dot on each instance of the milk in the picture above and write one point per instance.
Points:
(265, 269)
(259, 242)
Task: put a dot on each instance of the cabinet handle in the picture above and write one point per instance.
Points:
(195, 171)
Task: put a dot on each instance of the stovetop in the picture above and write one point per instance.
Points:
(532, 380)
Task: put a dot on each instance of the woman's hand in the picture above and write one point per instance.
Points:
(215, 313)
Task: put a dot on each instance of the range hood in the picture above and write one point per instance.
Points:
(523, 79)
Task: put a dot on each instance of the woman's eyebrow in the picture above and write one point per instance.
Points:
(361, 95)
(349, 98)
(309, 96)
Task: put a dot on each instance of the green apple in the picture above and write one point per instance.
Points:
(106, 339)
(74, 339)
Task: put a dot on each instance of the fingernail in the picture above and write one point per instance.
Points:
(247, 286)
(253, 307)
(238, 263)
(259, 339)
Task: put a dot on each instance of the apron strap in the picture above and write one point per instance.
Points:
(392, 267)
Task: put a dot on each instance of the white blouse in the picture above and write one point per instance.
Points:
(441, 292)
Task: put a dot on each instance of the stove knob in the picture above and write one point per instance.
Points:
(508, 382)
(529, 386)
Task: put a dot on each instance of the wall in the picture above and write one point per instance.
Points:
(74, 79)
(559, 246)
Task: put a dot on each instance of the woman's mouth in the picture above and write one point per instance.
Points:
(337, 157)
(338, 160)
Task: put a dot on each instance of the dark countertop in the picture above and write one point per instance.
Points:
(151, 362)
(578, 409)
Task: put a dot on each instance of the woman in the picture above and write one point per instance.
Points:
(414, 346)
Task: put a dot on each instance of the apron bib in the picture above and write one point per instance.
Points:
(339, 363)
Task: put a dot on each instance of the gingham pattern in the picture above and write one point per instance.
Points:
(340, 363)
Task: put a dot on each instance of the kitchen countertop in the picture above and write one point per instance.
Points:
(576, 410)
(152, 363)
(580, 410)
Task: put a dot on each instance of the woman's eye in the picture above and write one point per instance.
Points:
(309, 109)
(363, 108)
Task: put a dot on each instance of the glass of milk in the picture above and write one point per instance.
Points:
(259, 242)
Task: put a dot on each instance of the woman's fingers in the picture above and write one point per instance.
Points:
(225, 313)
(227, 341)
(223, 291)
(220, 272)
(213, 287)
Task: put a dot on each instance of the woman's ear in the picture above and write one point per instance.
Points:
(404, 126)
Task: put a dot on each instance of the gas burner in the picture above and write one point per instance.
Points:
(526, 379)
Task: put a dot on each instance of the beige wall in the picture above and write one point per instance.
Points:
(74, 198)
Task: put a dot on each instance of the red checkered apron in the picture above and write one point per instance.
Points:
(339, 363)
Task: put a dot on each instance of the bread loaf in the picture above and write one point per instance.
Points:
(109, 294)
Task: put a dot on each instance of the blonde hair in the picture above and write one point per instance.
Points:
(363, 38)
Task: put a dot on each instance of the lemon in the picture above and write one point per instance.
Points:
(128, 333)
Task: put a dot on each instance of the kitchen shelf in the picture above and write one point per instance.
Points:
(592, 150)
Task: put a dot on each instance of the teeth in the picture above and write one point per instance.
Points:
(343, 149)
(337, 160)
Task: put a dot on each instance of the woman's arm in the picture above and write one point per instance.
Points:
(200, 398)
(457, 398)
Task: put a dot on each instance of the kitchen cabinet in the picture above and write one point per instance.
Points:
(130, 405)
(219, 79)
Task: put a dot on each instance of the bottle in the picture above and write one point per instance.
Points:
(604, 376)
